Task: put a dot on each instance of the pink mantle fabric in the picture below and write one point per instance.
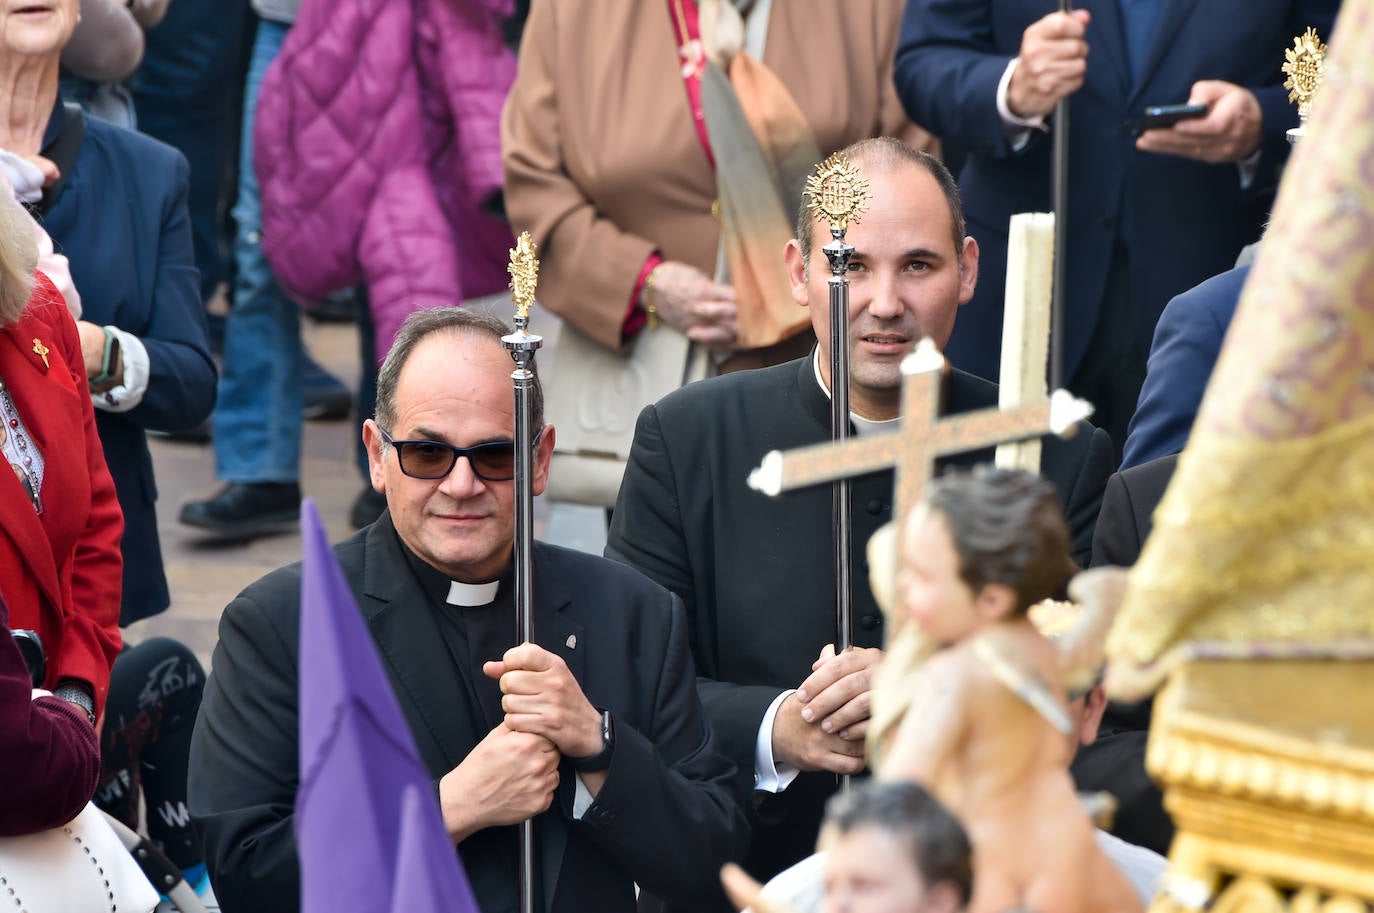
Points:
(376, 143)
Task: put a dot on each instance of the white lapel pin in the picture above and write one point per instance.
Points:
(572, 641)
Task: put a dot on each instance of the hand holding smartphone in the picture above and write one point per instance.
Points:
(1158, 117)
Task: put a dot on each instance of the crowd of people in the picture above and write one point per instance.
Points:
(682, 706)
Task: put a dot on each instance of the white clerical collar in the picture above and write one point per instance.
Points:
(862, 426)
(472, 594)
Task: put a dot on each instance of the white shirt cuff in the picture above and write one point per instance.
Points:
(1248, 168)
(582, 799)
(1018, 128)
(770, 777)
(130, 393)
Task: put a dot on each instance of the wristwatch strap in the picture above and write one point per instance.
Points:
(78, 695)
(602, 759)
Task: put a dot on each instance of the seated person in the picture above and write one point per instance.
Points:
(757, 573)
(60, 523)
(987, 731)
(1183, 353)
(594, 731)
(1115, 763)
(891, 848)
(49, 758)
(886, 847)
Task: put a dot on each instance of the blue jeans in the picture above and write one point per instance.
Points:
(257, 418)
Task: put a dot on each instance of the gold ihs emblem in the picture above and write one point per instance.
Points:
(1303, 65)
(836, 193)
(524, 274)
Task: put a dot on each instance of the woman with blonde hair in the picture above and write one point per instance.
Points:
(60, 523)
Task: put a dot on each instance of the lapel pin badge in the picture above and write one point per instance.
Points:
(572, 641)
(41, 350)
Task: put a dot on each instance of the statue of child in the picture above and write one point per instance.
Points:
(986, 728)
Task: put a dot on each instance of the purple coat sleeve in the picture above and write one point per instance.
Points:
(49, 756)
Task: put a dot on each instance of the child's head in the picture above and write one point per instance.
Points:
(985, 545)
(892, 848)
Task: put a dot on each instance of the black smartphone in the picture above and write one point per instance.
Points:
(1159, 116)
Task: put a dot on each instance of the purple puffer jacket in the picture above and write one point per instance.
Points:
(376, 143)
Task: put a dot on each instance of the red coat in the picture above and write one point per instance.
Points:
(60, 572)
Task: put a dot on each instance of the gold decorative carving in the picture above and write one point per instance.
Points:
(836, 192)
(1249, 895)
(1304, 64)
(1268, 772)
(524, 275)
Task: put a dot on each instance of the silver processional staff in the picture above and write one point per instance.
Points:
(836, 194)
(524, 277)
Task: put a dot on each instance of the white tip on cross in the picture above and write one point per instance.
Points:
(768, 477)
(1066, 410)
(925, 357)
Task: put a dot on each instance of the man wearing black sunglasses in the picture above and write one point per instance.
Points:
(595, 730)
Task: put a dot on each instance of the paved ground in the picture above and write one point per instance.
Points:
(205, 574)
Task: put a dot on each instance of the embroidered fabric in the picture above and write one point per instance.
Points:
(1261, 545)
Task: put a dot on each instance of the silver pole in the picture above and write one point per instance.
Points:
(838, 252)
(1059, 153)
(522, 346)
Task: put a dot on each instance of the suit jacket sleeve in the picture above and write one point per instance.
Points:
(947, 70)
(182, 376)
(1117, 539)
(244, 764)
(589, 265)
(647, 533)
(91, 639)
(669, 774)
(1185, 348)
(49, 757)
(1084, 503)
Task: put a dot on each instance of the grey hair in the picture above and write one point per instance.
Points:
(939, 845)
(885, 154)
(419, 326)
(18, 259)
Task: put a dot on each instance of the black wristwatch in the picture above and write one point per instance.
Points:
(602, 759)
(78, 695)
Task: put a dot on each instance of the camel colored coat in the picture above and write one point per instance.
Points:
(603, 165)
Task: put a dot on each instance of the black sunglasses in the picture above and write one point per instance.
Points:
(493, 461)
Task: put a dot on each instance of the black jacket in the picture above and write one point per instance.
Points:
(663, 819)
(756, 573)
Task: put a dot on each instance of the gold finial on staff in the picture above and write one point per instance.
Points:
(836, 193)
(524, 275)
(1304, 64)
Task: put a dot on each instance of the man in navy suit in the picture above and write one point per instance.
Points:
(1185, 349)
(1147, 217)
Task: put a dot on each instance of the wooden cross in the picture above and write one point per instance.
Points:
(923, 438)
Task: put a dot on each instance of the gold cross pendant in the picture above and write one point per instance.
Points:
(41, 350)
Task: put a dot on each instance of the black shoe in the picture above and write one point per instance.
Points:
(247, 509)
(367, 507)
